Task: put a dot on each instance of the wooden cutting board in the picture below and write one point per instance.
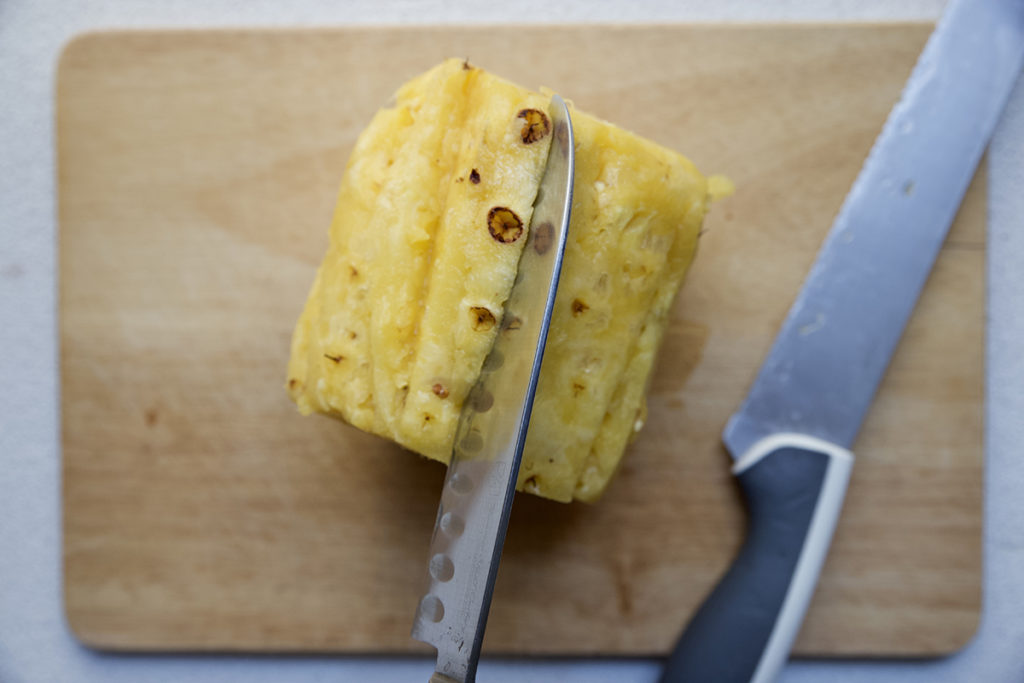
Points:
(197, 174)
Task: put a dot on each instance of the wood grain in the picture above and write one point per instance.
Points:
(197, 173)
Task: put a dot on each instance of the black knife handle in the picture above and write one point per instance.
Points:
(794, 486)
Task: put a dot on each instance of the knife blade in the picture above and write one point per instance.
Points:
(477, 495)
(790, 437)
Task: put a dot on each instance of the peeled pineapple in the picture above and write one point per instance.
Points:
(432, 216)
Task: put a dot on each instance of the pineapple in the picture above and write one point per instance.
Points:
(432, 215)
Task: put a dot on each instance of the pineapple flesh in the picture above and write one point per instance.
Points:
(432, 216)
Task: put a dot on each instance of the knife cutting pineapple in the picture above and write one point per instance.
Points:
(392, 286)
(433, 214)
(476, 499)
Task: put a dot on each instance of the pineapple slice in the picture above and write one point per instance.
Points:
(628, 409)
(495, 181)
(330, 366)
(636, 205)
(404, 227)
(432, 216)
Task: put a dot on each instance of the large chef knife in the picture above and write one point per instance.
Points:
(481, 480)
(791, 436)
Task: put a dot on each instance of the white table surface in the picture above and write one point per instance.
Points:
(35, 643)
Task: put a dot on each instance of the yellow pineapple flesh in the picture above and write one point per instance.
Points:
(432, 216)
(495, 177)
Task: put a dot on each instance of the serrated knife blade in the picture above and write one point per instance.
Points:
(476, 498)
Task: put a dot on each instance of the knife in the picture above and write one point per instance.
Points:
(480, 484)
(790, 438)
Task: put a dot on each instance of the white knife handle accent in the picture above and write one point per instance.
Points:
(794, 485)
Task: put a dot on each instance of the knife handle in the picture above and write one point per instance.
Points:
(794, 486)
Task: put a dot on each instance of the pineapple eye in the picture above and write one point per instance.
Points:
(504, 225)
(474, 177)
(440, 390)
(537, 125)
(579, 308)
(481, 318)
